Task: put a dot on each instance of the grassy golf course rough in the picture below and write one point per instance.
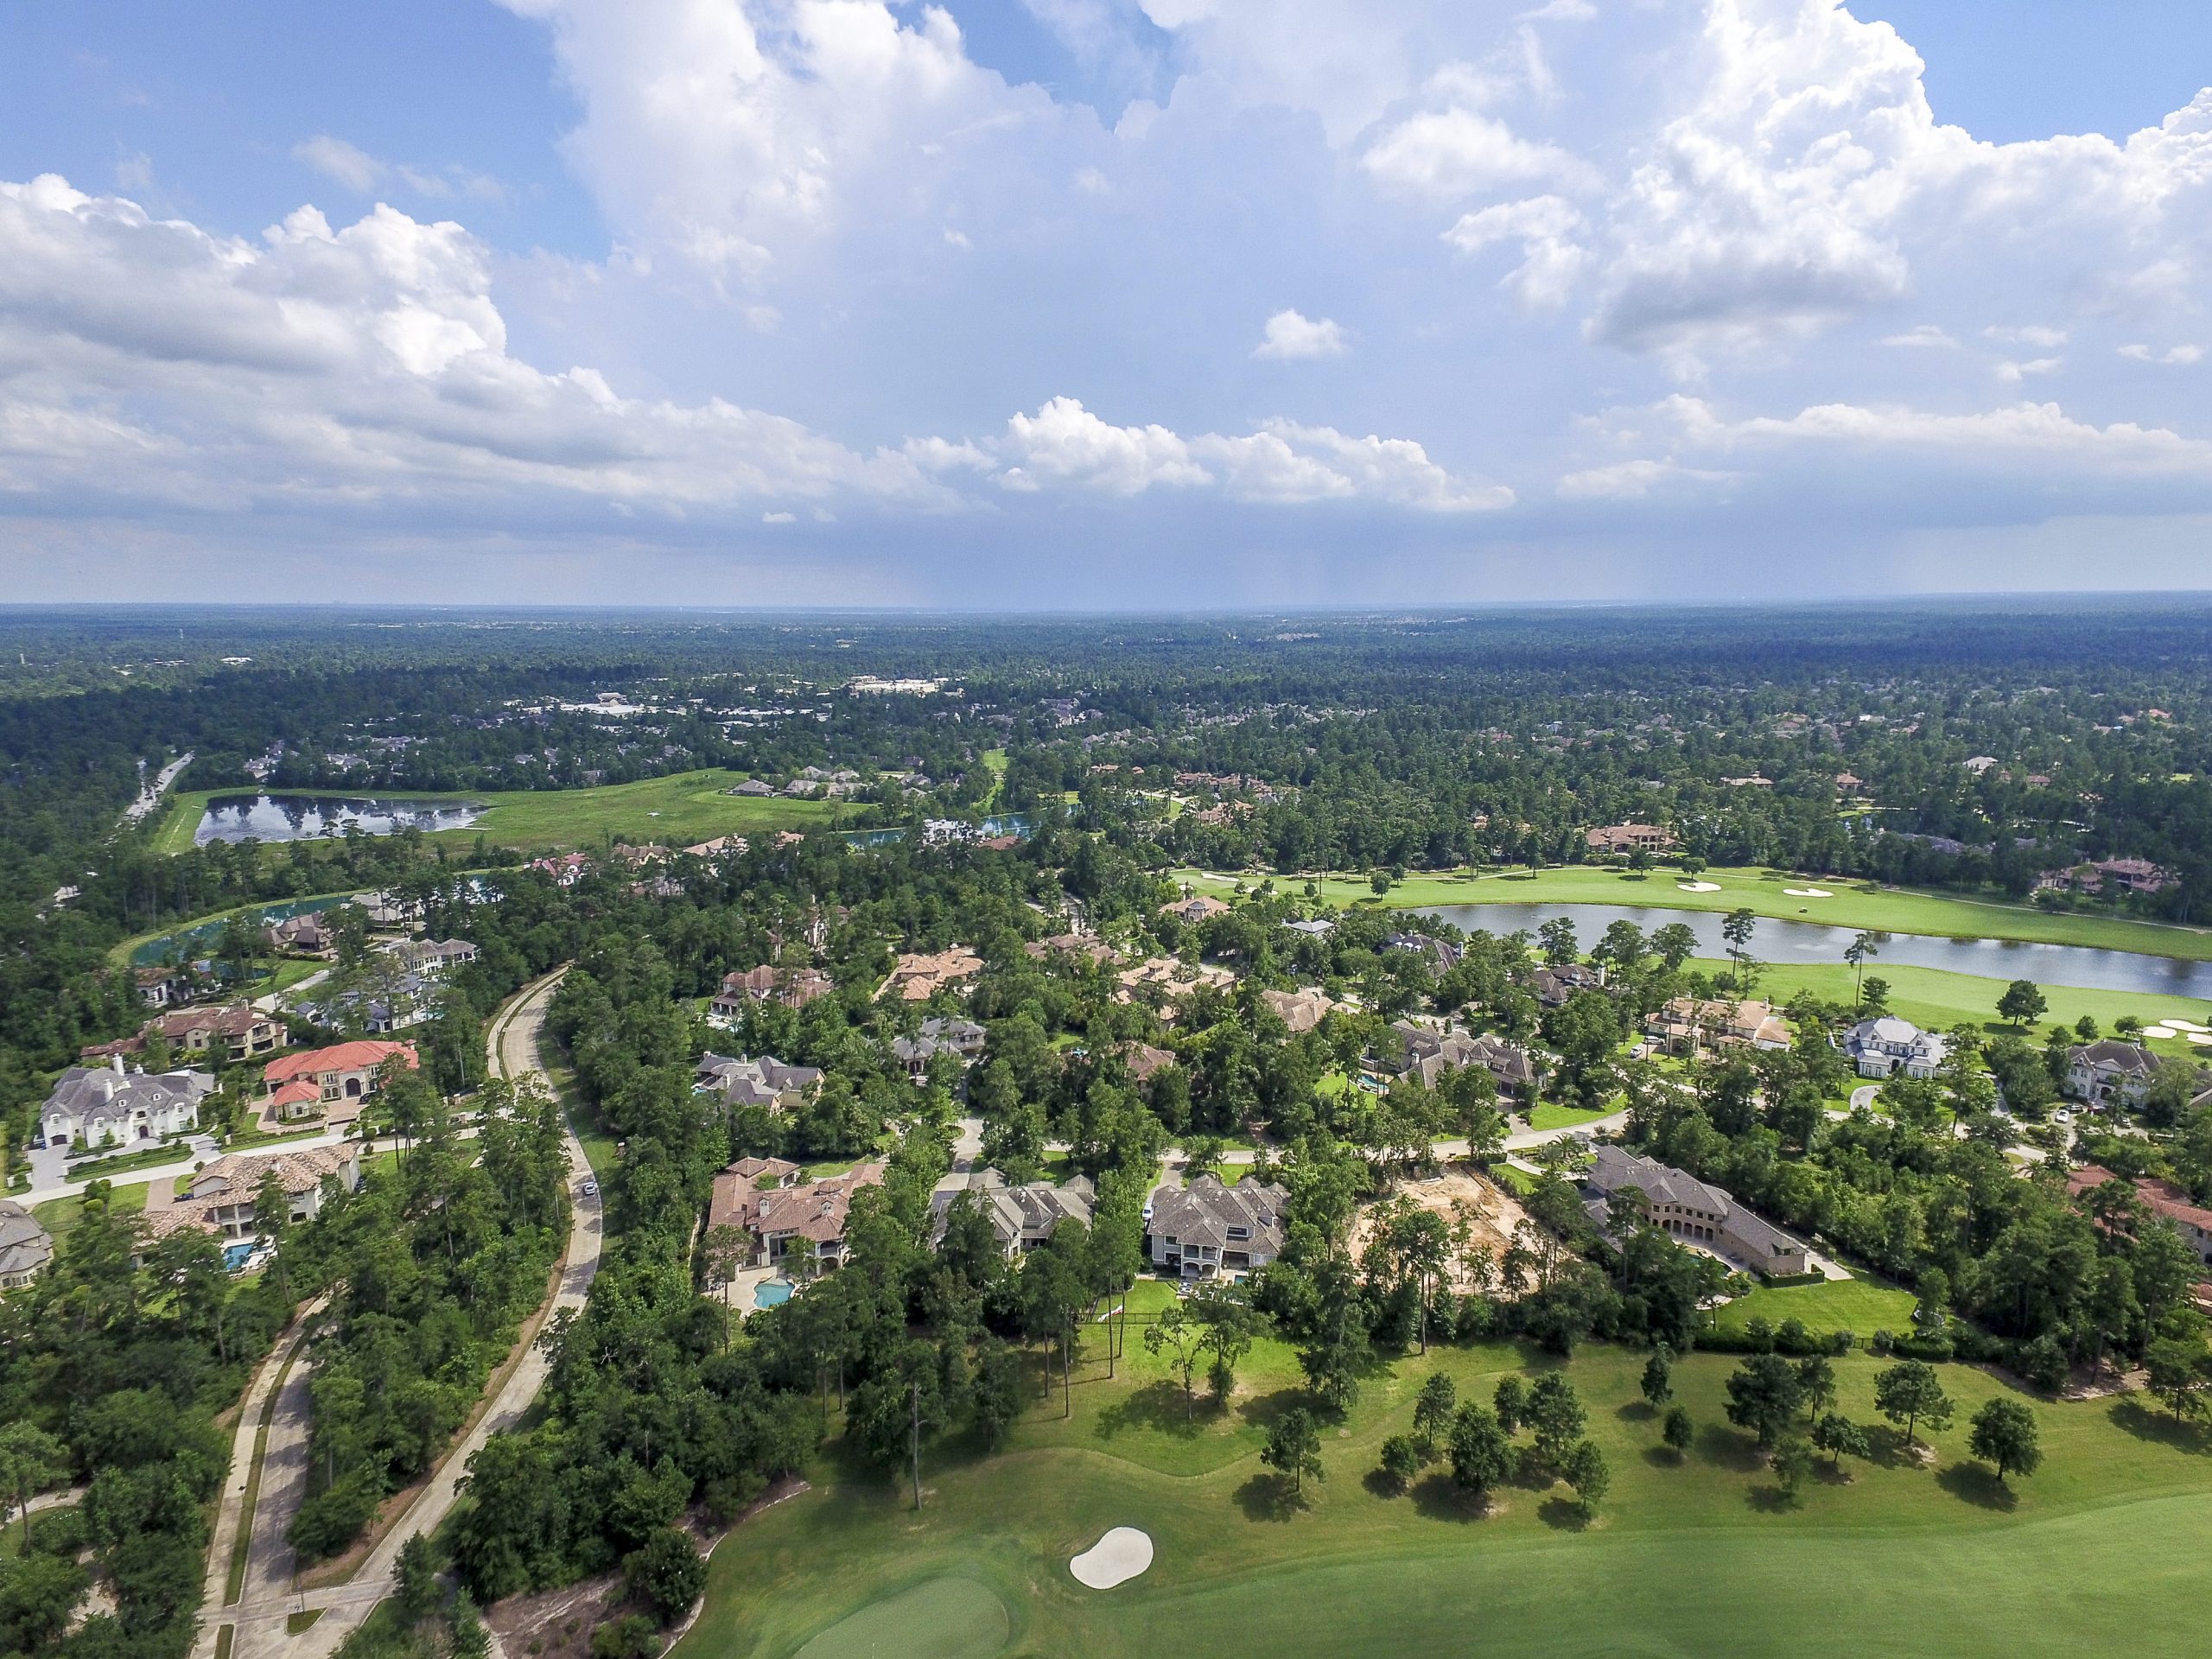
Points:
(2102, 1550)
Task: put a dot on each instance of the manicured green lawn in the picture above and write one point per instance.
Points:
(1936, 1000)
(1549, 1115)
(2102, 1551)
(1891, 910)
(689, 807)
(58, 1216)
(1850, 1305)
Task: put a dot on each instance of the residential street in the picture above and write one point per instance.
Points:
(258, 1620)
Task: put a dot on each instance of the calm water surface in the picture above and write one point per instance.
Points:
(304, 817)
(1793, 942)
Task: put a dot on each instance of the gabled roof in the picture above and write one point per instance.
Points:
(2109, 1055)
(1203, 1211)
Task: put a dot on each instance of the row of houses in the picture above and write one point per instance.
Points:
(1199, 1232)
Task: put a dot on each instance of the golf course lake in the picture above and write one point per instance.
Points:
(305, 817)
(1785, 942)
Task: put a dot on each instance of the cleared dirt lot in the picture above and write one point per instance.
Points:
(1491, 1212)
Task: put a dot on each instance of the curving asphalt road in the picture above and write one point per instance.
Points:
(257, 1622)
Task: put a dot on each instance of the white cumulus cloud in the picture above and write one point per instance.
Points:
(1290, 335)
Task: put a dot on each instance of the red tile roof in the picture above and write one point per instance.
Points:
(365, 1055)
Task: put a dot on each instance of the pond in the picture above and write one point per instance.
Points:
(304, 817)
(1779, 941)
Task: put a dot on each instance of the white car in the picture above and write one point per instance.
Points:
(589, 1189)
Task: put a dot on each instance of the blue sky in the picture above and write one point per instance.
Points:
(1040, 302)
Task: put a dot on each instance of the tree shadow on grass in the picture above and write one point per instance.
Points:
(2131, 1416)
(1262, 1410)
(1664, 1456)
(1979, 1485)
(1636, 1411)
(1889, 1449)
(1438, 1497)
(1157, 1406)
(1770, 1499)
(1565, 1515)
(1383, 1483)
(1729, 1449)
(1269, 1497)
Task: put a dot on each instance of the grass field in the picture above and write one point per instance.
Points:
(58, 1216)
(1548, 1114)
(1935, 1000)
(1850, 1305)
(1890, 910)
(688, 807)
(2102, 1551)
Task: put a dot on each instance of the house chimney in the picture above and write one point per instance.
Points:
(116, 1060)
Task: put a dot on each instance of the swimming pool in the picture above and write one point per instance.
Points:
(771, 1292)
(235, 1255)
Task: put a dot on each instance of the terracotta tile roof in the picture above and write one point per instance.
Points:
(365, 1055)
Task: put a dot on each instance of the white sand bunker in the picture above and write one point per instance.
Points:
(1119, 1556)
(2202, 1040)
(1698, 887)
(2183, 1025)
(1808, 893)
(2161, 1032)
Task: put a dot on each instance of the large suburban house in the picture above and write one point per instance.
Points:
(404, 1003)
(1693, 1025)
(302, 935)
(1614, 838)
(1443, 955)
(108, 1106)
(432, 958)
(792, 987)
(342, 1071)
(918, 976)
(242, 1033)
(963, 1038)
(1686, 1208)
(1203, 907)
(2127, 875)
(2162, 1198)
(1170, 977)
(25, 1247)
(1205, 1230)
(1885, 1045)
(1429, 1050)
(1021, 1217)
(766, 1081)
(787, 1211)
(2101, 1073)
(1300, 1010)
(1555, 984)
(225, 1197)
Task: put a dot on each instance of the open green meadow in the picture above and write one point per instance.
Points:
(689, 807)
(2100, 1551)
(1854, 905)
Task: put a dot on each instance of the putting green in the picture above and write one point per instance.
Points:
(948, 1618)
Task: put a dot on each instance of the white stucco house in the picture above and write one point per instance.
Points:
(1884, 1047)
(107, 1105)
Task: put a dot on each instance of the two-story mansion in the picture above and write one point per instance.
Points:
(1205, 1230)
(109, 1106)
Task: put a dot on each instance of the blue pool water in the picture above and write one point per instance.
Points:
(771, 1292)
(234, 1255)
